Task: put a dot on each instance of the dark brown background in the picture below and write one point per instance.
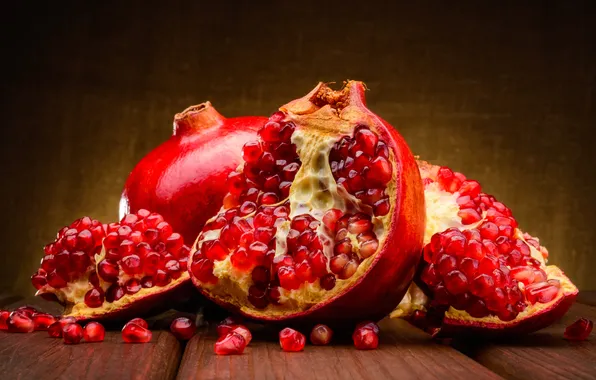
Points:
(504, 93)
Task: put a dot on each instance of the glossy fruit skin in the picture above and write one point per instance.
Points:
(184, 179)
(387, 278)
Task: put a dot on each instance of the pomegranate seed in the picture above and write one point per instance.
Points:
(42, 321)
(477, 309)
(257, 296)
(131, 264)
(429, 275)
(251, 152)
(523, 274)
(108, 271)
(456, 282)
(469, 267)
(327, 282)
(4, 314)
(482, 285)
(365, 338)
(55, 329)
(489, 230)
(470, 188)
(445, 264)
(469, 216)
(497, 300)
(231, 344)
(291, 340)
(134, 333)
(132, 286)
(72, 333)
(94, 298)
(579, 330)
(287, 278)
(55, 280)
(183, 328)
(321, 335)
(139, 321)
(541, 292)
(19, 322)
(368, 325)
(94, 332)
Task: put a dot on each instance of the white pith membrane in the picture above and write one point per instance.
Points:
(72, 295)
(313, 191)
(442, 213)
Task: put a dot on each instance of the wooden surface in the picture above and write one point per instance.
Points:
(502, 91)
(404, 353)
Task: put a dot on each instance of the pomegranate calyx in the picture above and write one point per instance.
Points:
(200, 116)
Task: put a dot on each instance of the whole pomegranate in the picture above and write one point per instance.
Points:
(323, 222)
(480, 272)
(113, 270)
(184, 178)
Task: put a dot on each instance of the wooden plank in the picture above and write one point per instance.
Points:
(542, 355)
(37, 356)
(404, 353)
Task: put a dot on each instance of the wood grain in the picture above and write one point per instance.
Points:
(404, 353)
(542, 355)
(37, 356)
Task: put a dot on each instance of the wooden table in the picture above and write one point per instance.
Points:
(404, 353)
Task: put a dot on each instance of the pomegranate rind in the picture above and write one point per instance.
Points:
(382, 279)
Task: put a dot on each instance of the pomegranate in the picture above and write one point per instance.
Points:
(42, 321)
(479, 270)
(579, 330)
(365, 337)
(321, 335)
(134, 333)
(184, 178)
(322, 223)
(72, 333)
(183, 328)
(20, 322)
(291, 340)
(94, 332)
(55, 329)
(230, 344)
(101, 271)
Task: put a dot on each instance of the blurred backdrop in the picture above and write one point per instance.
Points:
(504, 93)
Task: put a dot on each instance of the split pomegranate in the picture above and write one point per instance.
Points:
(323, 221)
(321, 335)
(183, 328)
(94, 332)
(19, 322)
(184, 179)
(55, 329)
(230, 344)
(134, 333)
(111, 270)
(42, 321)
(579, 330)
(365, 337)
(72, 333)
(291, 340)
(480, 271)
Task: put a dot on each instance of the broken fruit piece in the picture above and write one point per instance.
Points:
(94, 332)
(183, 328)
(291, 340)
(230, 344)
(365, 338)
(312, 228)
(109, 271)
(72, 333)
(321, 335)
(480, 272)
(579, 330)
(184, 179)
(134, 333)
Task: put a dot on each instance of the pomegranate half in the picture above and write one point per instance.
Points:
(184, 178)
(114, 270)
(480, 272)
(324, 220)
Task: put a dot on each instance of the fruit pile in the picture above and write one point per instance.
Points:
(317, 218)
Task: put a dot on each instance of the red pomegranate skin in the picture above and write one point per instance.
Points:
(184, 179)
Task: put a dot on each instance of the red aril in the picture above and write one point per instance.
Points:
(139, 321)
(312, 227)
(4, 314)
(184, 179)
(72, 333)
(230, 344)
(19, 322)
(94, 332)
(291, 340)
(183, 328)
(55, 329)
(42, 321)
(91, 267)
(133, 333)
(321, 335)
(482, 274)
(579, 330)
(365, 338)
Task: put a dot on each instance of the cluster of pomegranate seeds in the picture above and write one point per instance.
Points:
(366, 336)
(136, 331)
(232, 338)
(146, 249)
(579, 330)
(291, 340)
(361, 165)
(94, 332)
(69, 257)
(270, 166)
(183, 328)
(321, 335)
(480, 270)
(72, 333)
